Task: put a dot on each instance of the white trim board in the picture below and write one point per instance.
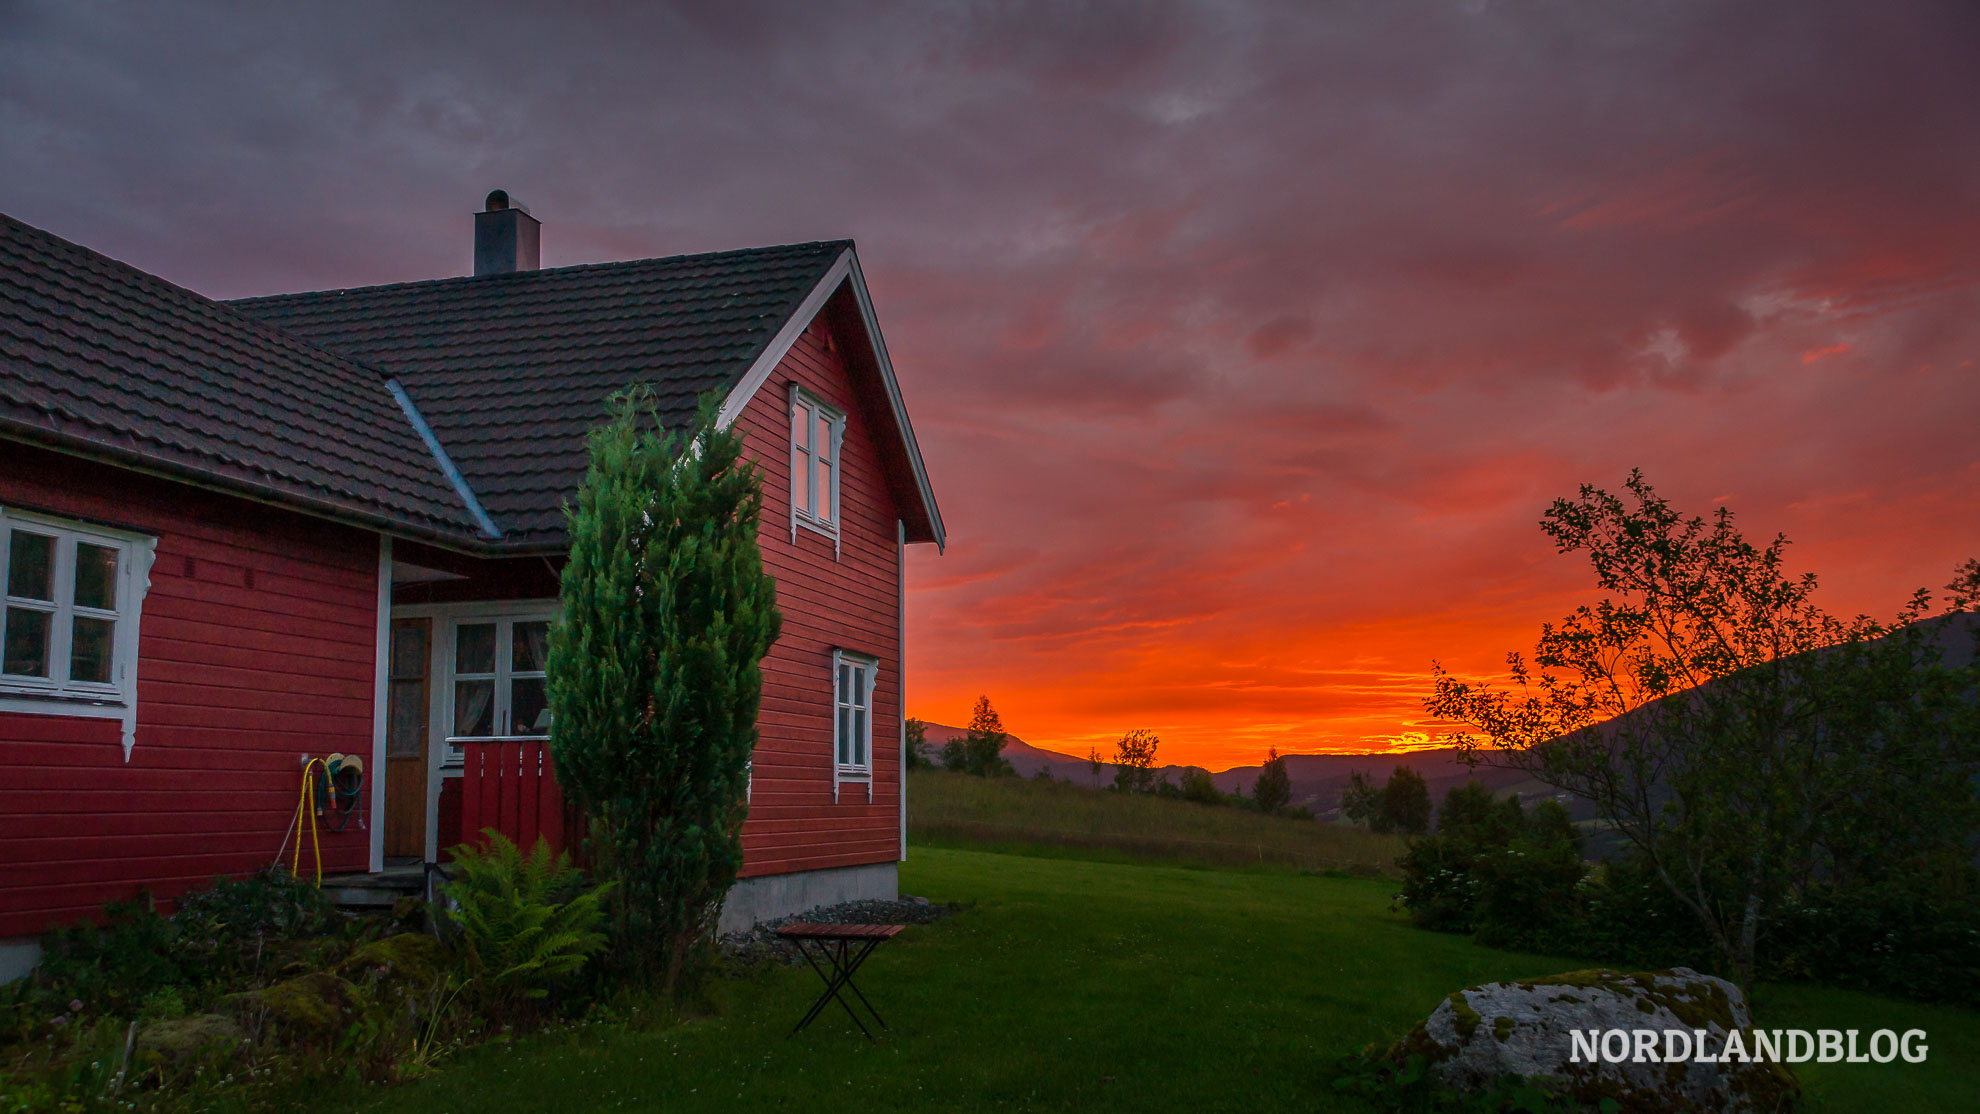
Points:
(380, 697)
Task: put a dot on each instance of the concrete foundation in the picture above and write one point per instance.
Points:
(17, 958)
(779, 895)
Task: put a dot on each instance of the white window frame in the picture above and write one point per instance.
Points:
(504, 678)
(863, 673)
(56, 694)
(806, 456)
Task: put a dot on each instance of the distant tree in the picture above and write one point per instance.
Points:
(980, 751)
(1134, 761)
(1199, 786)
(1095, 762)
(1273, 789)
(1748, 745)
(1360, 798)
(1404, 807)
(917, 744)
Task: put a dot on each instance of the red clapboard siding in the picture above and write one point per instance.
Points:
(851, 602)
(235, 684)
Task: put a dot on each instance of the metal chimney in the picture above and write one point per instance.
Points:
(506, 237)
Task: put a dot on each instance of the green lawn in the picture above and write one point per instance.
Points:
(1077, 985)
(1034, 817)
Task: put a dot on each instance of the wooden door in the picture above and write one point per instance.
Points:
(406, 739)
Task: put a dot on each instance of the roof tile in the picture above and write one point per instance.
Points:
(100, 356)
(511, 371)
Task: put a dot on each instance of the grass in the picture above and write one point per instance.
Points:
(956, 810)
(1081, 985)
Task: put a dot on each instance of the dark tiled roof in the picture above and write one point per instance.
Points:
(511, 371)
(100, 357)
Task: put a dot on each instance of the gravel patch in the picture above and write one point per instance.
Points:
(762, 944)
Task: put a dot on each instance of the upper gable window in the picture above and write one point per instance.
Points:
(816, 432)
(68, 619)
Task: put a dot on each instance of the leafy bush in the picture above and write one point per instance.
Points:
(1517, 880)
(228, 928)
(1909, 934)
(526, 922)
(1496, 870)
(1198, 786)
(1530, 885)
(110, 967)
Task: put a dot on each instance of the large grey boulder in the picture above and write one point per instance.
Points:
(1482, 1034)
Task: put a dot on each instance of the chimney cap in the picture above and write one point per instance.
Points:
(499, 200)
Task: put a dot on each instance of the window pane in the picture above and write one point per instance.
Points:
(859, 737)
(474, 648)
(800, 425)
(823, 508)
(529, 707)
(89, 649)
(845, 683)
(25, 650)
(530, 647)
(96, 576)
(404, 737)
(859, 687)
(821, 437)
(845, 735)
(31, 566)
(474, 707)
(408, 653)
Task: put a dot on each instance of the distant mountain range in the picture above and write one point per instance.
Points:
(1317, 779)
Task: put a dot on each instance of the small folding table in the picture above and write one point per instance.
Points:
(840, 949)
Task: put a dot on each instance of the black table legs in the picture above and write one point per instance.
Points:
(842, 961)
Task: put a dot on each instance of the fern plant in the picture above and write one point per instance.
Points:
(526, 921)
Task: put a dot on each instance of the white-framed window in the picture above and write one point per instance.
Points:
(500, 690)
(70, 594)
(854, 676)
(817, 431)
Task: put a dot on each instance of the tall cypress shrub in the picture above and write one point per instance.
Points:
(654, 674)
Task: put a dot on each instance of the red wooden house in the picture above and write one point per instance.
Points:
(235, 536)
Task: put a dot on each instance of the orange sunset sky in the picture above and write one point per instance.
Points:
(1245, 342)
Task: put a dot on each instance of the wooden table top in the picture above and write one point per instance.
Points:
(806, 931)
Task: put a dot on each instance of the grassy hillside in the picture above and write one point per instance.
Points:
(948, 809)
(1084, 986)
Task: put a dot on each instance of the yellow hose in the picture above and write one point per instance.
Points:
(302, 806)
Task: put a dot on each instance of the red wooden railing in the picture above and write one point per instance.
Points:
(508, 785)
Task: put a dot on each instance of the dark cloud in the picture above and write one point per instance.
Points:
(1245, 341)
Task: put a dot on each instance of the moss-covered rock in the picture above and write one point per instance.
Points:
(409, 962)
(307, 1008)
(1530, 1037)
(173, 1045)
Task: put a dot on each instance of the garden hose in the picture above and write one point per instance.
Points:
(307, 804)
(342, 803)
(303, 807)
